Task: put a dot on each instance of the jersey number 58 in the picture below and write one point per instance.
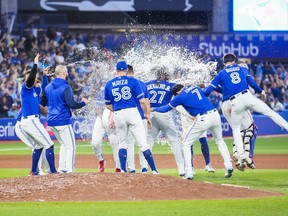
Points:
(123, 93)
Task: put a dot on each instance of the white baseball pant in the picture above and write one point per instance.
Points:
(101, 127)
(210, 121)
(164, 122)
(130, 120)
(239, 105)
(66, 137)
(130, 151)
(246, 123)
(31, 143)
(33, 127)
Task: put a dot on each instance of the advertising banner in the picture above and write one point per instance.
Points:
(243, 45)
(265, 124)
(255, 46)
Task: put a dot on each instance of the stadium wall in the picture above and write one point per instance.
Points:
(266, 127)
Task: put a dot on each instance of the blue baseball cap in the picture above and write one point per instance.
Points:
(121, 65)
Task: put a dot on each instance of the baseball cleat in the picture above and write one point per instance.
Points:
(132, 171)
(250, 163)
(102, 165)
(33, 173)
(228, 173)
(117, 170)
(144, 171)
(155, 172)
(42, 173)
(188, 176)
(240, 166)
(209, 168)
(62, 171)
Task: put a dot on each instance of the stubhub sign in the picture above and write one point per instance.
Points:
(241, 50)
(243, 45)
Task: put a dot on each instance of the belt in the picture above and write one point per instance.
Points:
(236, 95)
(124, 108)
(208, 112)
(31, 117)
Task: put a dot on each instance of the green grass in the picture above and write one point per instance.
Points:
(268, 180)
(262, 206)
(274, 145)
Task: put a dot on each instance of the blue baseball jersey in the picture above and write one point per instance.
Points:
(192, 98)
(19, 115)
(123, 92)
(233, 79)
(146, 95)
(30, 100)
(159, 94)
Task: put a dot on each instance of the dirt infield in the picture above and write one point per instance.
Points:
(162, 161)
(123, 186)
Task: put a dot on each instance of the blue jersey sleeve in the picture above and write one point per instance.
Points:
(138, 90)
(163, 109)
(253, 84)
(71, 103)
(44, 81)
(108, 100)
(173, 103)
(213, 85)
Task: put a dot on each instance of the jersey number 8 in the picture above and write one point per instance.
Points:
(235, 78)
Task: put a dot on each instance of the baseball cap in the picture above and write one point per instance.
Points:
(121, 65)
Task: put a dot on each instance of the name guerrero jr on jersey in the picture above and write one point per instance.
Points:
(161, 86)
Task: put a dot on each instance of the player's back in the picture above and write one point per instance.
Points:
(160, 92)
(194, 100)
(232, 80)
(123, 92)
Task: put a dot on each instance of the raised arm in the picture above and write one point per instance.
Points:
(32, 76)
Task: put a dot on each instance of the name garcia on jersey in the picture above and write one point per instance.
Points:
(161, 86)
(232, 69)
(120, 82)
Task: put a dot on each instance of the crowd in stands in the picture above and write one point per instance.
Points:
(17, 53)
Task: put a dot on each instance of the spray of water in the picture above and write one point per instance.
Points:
(97, 67)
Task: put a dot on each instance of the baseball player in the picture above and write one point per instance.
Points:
(59, 99)
(25, 137)
(101, 127)
(160, 94)
(186, 121)
(234, 81)
(248, 132)
(31, 125)
(121, 96)
(130, 138)
(194, 101)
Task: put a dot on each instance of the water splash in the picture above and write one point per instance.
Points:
(97, 66)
